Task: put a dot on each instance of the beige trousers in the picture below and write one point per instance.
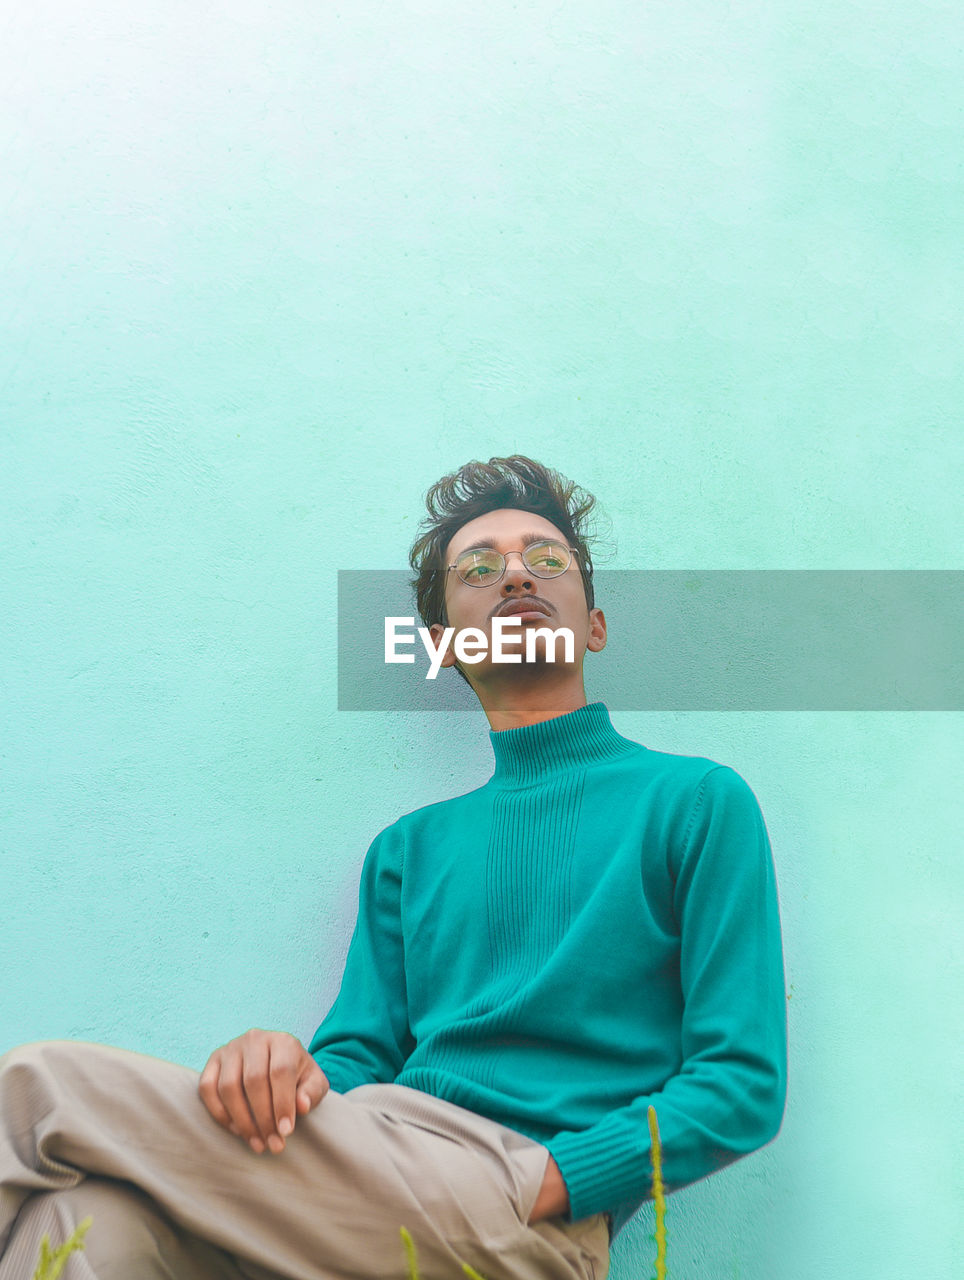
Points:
(89, 1129)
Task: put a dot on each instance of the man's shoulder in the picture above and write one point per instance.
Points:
(675, 768)
(677, 765)
(447, 807)
(677, 784)
(436, 812)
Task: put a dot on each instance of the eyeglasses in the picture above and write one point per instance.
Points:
(482, 566)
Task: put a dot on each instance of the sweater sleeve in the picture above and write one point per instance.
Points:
(728, 1096)
(365, 1036)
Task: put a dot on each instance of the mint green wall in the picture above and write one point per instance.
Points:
(268, 271)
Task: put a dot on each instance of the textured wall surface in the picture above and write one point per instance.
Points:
(268, 270)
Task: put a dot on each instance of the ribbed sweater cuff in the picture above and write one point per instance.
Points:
(600, 1168)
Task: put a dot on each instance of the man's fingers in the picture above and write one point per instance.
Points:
(233, 1095)
(257, 1090)
(312, 1085)
(259, 1084)
(282, 1076)
(297, 1085)
(208, 1090)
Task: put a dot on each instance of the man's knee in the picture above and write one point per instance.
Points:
(21, 1067)
(45, 1053)
(29, 1053)
(26, 1064)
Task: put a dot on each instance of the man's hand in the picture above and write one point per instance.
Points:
(553, 1197)
(258, 1084)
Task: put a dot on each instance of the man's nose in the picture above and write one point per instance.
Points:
(516, 572)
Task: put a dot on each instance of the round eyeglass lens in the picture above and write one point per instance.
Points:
(484, 564)
(547, 558)
(478, 566)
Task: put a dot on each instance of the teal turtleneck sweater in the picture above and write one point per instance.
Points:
(594, 930)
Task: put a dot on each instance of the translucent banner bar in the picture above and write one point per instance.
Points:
(719, 640)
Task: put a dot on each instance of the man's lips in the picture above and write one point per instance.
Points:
(522, 607)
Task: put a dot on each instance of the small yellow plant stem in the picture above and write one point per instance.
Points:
(52, 1262)
(658, 1198)
(409, 1244)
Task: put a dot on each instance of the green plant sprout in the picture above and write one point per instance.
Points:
(52, 1262)
(659, 1201)
(409, 1244)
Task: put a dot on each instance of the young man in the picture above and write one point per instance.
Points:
(593, 931)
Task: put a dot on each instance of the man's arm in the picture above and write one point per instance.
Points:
(365, 1037)
(729, 1095)
(260, 1083)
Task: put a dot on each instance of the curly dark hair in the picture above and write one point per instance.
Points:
(479, 487)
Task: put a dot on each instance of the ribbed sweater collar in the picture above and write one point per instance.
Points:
(534, 752)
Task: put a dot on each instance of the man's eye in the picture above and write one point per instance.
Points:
(477, 572)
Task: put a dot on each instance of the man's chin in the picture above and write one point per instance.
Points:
(537, 668)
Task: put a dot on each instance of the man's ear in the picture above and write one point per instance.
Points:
(436, 631)
(597, 630)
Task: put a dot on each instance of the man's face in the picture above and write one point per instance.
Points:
(555, 602)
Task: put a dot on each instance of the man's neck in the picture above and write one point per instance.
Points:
(512, 707)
